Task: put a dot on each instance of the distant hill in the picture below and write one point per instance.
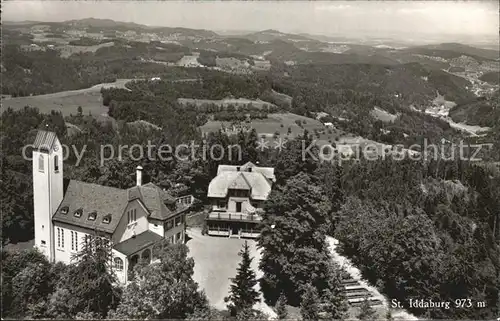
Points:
(102, 23)
(491, 77)
(96, 25)
(414, 83)
(482, 112)
(455, 50)
(271, 35)
(283, 51)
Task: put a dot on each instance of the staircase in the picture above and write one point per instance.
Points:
(356, 293)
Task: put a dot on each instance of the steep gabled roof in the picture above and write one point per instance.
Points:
(255, 181)
(155, 200)
(240, 183)
(44, 140)
(268, 172)
(88, 198)
(104, 200)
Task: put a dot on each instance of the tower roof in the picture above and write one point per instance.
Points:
(44, 140)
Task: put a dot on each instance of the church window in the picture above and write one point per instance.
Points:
(74, 241)
(56, 163)
(118, 264)
(60, 238)
(41, 165)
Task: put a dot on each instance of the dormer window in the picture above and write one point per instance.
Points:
(92, 216)
(106, 219)
(237, 168)
(64, 210)
(79, 212)
(250, 169)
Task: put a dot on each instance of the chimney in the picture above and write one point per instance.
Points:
(138, 174)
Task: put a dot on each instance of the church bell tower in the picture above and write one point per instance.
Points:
(47, 188)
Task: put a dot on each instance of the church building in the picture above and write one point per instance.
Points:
(67, 213)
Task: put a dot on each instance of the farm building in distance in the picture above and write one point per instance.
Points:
(237, 195)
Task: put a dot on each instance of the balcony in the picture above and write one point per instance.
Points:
(234, 216)
(184, 201)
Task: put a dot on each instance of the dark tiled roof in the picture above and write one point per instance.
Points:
(109, 200)
(44, 140)
(137, 243)
(92, 197)
(155, 200)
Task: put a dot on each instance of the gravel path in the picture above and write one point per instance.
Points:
(216, 260)
(355, 273)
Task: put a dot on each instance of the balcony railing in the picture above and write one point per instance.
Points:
(184, 200)
(234, 216)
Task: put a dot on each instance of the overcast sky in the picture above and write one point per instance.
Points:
(480, 18)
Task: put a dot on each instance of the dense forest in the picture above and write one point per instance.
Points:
(416, 229)
(481, 111)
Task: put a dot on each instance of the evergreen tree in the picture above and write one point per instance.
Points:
(242, 292)
(250, 314)
(388, 315)
(164, 289)
(309, 305)
(89, 284)
(281, 310)
(293, 240)
(367, 312)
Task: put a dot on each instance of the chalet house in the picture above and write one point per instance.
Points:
(237, 195)
(68, 213)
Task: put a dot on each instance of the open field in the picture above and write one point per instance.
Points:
(68, 50)
(257, 103)
(279, 123)
(274, 123)
(216, 260)
(68, 101)
(383, 115)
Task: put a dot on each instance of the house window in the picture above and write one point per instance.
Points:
(169, 224)
(179, 236)
(43, 242)
(118, 264)
(56, 163)
(132, 215)
(41, 166)
(74, 241)
(177, 221)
